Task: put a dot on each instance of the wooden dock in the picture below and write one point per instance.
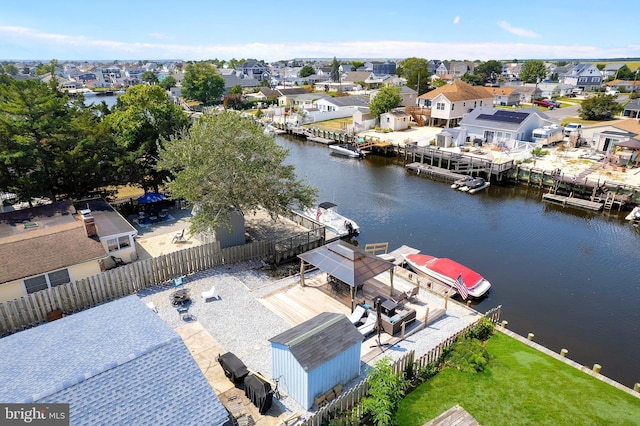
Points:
(573, 202)
(319, 139)
(423, 169)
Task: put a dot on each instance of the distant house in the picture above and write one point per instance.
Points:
(632, 109)
(54, 244)
(605, 135)
(346, 104)
(315, 356)
(624, 85)
(432, 65)
(583, 76)
(505, 96)
(254, 70)
(493, 125)
(380, 67)
(611, 70)
(409, 96)
(358, 77)
(118, 363)
(395, 120)
(554, 90)
(527, 93)
(449, 103)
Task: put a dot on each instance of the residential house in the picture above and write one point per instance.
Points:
(611, 70)
(118, 363)
(494, 125)
(449, 103)
(632, 109)
(442, 69)
(527, 93)
(380, 67)
(553, 90)
(316, 356)
(396, 120)
(63, 83)
(254, 70)
(58, 243)
(605, 135)
(345, 68)
(586, 77)
(302, 101)
(511, 72)
(624, 85)
(358, 77)
(432, 65)
(233, 80)
(505, 96)
(409, 96)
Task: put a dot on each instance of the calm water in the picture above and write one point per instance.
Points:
(570, 277)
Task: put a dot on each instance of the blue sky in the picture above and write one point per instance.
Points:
(274, 30)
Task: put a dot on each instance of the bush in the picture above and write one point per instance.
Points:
(428, 371)
(468, 355)
(482, 330)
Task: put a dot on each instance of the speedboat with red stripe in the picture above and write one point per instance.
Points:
(449, 273)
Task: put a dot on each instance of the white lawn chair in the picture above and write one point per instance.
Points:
(369, 325)
(210, 294)
(357, 314)
(178, 237)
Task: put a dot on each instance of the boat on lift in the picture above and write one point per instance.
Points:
(326, 213)
(347, 149)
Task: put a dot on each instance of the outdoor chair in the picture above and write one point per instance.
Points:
(118, 261)
(357, 314)
(210, 294)
(369, 325)
(401, 298)
(178, 237)
(413, 293)
(183, 309)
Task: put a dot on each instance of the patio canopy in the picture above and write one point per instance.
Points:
(346, 262)
(150, 197)
(630, 144)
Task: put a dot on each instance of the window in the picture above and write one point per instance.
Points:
(58, 277)
(582, 80)
(440, 106)
(453, 106)
(35, 284)
(115, 244)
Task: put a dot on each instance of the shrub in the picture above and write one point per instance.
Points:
(468, 355)
(482, 330)
(386, 390)
(429, 370)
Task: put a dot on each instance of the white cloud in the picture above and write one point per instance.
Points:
(456, 20)
(517, 31)
(45, 46)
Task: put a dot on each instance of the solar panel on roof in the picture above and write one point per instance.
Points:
(504, 116)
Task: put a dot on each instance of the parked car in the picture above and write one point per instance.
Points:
(544, 103)
(556, 104)
(572, 127)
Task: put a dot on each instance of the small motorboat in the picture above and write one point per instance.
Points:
(326, 213)
(473, 186)
(460, 182)
(449, 273)
(347, 149)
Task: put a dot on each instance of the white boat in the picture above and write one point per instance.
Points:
(473, 186)
(449, 273)
(326, 213)
(347, 149)
(634, 216)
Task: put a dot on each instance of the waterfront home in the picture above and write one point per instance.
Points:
(449, 103)
(494, 125)
(117, 363)
(53, 244)
(604, 135)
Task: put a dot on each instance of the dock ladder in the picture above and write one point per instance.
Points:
(608, 202)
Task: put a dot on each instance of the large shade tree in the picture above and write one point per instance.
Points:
(416, 71)
(385, 100)
(202, 83)
(601, 107)
(225, 163)
(533, 71)
(141, 117)
(50, 146)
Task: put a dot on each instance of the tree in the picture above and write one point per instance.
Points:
(225, 162)
(624, 73)
(600, 66)
(416, 71)
(533, 71)
(385, 100)
(202, 83)
(149, 77)
(335, 70)
(386, 391)
(489, 71)
(236, 90)
(168, 82)
(306, 71)
(357, 64)
(473, 79)
(50, 146)
(438, 82)
(601, 107)
(11, 69)
(233, 101)
(141, 117)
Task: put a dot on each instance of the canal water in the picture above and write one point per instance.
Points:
(570, 277)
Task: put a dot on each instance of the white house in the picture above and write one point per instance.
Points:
(449, 103)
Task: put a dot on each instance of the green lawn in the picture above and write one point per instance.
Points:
(521, 386)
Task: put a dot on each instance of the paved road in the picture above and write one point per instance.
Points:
(559, 114)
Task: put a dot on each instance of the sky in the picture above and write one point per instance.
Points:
(347, 29)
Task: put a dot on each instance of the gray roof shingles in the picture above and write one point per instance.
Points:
(117, 363)
(319, 339)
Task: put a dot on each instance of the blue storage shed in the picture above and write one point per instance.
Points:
(315, 356)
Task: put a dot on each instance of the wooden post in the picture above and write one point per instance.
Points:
(391, 280)
(597, 368)
(402, 331)
(426, 318)
(505, 323)
(636, 387)
(446, 299)
(563, 352)
(301, 273)
(530, 336)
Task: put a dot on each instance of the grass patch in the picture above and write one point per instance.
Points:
(336, 124)
(521, 386)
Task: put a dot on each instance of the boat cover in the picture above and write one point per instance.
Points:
(446, 267)
(233, 368)
(259, 392)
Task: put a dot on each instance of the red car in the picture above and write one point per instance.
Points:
(545, 103)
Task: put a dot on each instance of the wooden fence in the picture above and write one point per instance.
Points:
(350, 399)
(30, 310)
